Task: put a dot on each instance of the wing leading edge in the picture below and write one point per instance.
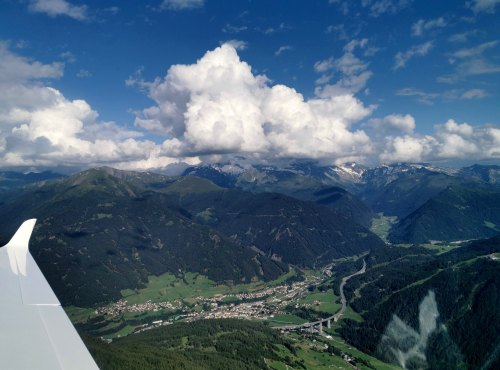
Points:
(35, 332)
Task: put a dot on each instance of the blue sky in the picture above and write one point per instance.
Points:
(91, 82)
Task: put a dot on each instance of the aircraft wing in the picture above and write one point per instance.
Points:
(35, 333)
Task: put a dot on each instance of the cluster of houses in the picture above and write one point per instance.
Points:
(262, 304)
(122, 306)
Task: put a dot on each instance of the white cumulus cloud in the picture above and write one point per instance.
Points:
(399, 122)
(39, 126)
(407, 149)
(218, 106)
(237, 44)
(450, 140)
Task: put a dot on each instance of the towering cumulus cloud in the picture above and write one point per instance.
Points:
(218, 105)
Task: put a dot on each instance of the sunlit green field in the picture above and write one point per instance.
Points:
(322, 301)
(78, 314)
(382, 224)
(168, 287)
(312, 354)
(310, 349)
(281, 320)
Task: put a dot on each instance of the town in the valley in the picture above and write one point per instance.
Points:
(260, 304)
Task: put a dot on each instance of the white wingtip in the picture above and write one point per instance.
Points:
(21, 238)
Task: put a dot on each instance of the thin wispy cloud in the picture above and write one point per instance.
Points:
(463, 36)
(343, 6)
(83, 73)
(353, 71)
(380, 7)
(54, 8)
(474, 51)
(68, 57)
(229, 28)
(471, 62)
(403, 57)
(430, 98)
(422, 26)
(282, 27)
(474, 94)
(483, 6)
(113, 10)
(339, 30)
(282, 49)
(182, 4)
(21, 44)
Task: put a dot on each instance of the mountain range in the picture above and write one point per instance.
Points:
(12, 179)
(104, 230)
(234, 223)
(400, 190)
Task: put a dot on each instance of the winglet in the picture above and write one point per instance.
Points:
(22, 236)
(17, 247)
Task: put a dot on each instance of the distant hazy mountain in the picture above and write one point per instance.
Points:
(395, 190)
(489, 174)
(104, 230)
(304, 181)
(11, 179)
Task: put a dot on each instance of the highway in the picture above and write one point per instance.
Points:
(339, 314)
(335, 317)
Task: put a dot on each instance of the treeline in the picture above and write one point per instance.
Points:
(306, 313)
(342, 269)
(205, 344)
(466, 283)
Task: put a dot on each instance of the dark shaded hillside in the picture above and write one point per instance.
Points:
(301, 181)
(282, 227)
(465, 283)
(97, 234)
(456, 213)
(104, 230)
(217, 177)
(340, 200)
(345, 203)
(489, 174)
(408, 192)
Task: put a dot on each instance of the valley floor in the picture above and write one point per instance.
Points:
(295, 298)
